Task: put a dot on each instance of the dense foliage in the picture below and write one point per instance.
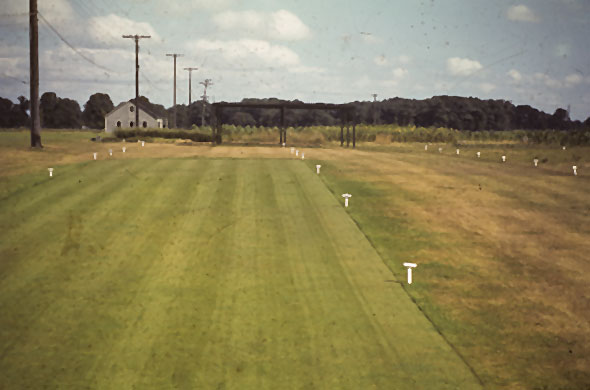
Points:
(452, 112)
(135, 134)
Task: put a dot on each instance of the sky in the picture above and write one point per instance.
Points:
(532, 52)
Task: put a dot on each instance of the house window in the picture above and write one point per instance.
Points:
(118, 123)
(131, 108)
(144, 124)
(131, 124)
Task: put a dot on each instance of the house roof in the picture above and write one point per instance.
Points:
(141, 106)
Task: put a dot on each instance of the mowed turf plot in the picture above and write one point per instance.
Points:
(202, 273)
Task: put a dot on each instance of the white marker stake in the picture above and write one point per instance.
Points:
(563, 148)
(536, 161)
(346, 196)
(284, 144)
(50, 172)
(503, 158)
(302, 156)
(124, 148)
(110, 152)
(292, 150)
(317, 168)
(425, 147)
(575, 168)
(94, 154)
(478, 154)
(297, 153)
(142, 143)
(440, 150)
(410, 266)
(457, 152)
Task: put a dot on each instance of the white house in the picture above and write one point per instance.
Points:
(123, 116)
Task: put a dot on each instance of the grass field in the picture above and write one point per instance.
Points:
(238, 267)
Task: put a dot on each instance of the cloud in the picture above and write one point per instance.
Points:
(399, 73)
(404, 59)
(249, 52)
(108, 30)
(516, 76)
(487, 87)
(279, 25)
(547, 80)
(370, 38)
(380, 60)
(462, 66)
(521, 13)
(573, 79)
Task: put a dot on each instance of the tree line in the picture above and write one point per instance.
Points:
(454, 112)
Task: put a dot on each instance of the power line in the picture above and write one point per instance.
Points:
(71, 46)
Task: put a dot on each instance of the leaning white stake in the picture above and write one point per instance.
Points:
(575, 168)
(536, 161)
(503, 158)
(425, 147)
(346, 196)
(50, 172)
(457, 151)
(478, 154)
(440, 150)
(124, 149)
(94, 155)
(142, 143)
(284, 144)
(110, 152)
(410, 266)
(317, 168)
(297, 153)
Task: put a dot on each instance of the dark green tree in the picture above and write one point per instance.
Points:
(95, 109)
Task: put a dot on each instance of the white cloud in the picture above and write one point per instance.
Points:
(462, 66)
(370, 38)
(249, 52)
(279, 25)
(381, 60)
(404, 59)
(56, 11)
(521, 13)
(573, 79)
(487, 87)
(108, 30)
(547, 80)
(399, 73)
(516, 76)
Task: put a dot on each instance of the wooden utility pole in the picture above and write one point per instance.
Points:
(190, 71)
(206, 83)
(34, 75)
(374, 108)
(137, 38)
(174, 97)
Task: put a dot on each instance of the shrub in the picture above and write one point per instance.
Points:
(163, 133)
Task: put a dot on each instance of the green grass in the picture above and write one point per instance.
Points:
(202, 273)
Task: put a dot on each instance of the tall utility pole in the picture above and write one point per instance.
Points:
(190, 71)
(374, 108)
(174, 98)
(34, 77)
(137, 38)
(206, 83)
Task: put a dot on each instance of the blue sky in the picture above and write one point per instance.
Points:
(529, 52)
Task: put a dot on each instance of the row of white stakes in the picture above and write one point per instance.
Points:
(535, 160)
(347, 196)
(95, 155)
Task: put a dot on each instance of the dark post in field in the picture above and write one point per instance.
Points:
(283, 130)
(342, 130)
(136, 37)
(34, 77)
